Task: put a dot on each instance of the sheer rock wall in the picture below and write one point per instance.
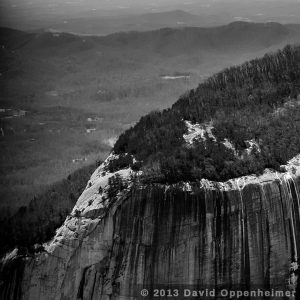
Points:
(242, 232)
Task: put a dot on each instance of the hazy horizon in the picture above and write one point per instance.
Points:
(43, 14)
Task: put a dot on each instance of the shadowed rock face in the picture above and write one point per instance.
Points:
(216, 235)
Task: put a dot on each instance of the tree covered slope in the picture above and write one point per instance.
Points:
(248, 119)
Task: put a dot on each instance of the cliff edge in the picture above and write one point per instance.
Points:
(163, 210)
(244, 232)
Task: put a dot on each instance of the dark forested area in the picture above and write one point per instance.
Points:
(37, 222)
(259, 100)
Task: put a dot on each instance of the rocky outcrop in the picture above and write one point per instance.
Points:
(244, 233)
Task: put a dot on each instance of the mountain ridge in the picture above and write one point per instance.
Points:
(127, 230)
(100, 237)
(229, 99)
(265, 33)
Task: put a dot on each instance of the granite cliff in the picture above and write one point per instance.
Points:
(243, 232)
(203, 195)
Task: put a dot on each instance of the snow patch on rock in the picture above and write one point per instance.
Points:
(251, 145)
(95, 193)
(292, 169)
(201, 131)
(92, 205)
(293, 165)
(227, 143)
(198, 131)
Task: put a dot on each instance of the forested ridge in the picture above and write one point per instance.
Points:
(131, 86)
(37, 222)
(258, 101)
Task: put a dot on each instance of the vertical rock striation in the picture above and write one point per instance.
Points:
(244, 232)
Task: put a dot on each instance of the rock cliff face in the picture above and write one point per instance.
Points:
(244, 232)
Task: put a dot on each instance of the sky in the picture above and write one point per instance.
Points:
(116, 4)
(32, 14)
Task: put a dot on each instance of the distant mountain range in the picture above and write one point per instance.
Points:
(235, 37)
(101, 18)
(143, 22)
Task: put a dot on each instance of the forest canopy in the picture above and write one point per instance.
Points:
(257, 101)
